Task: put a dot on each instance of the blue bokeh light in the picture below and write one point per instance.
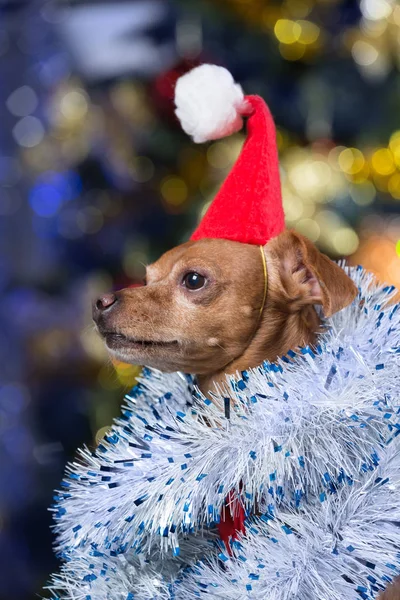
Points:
(45, 200)
(53, 189)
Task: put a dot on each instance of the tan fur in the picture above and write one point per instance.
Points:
(219, 329)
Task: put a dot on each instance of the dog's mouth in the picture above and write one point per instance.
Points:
(114, 341)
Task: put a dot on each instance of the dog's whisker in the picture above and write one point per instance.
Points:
(222, 348)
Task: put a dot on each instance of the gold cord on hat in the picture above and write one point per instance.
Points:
(264, 263)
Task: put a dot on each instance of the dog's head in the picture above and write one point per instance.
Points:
(200, 309)
(203, 309)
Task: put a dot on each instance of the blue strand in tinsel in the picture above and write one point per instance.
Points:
(312, 446)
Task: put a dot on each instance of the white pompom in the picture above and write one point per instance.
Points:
(209, 104)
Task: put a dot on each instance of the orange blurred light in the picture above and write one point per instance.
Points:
(377, 253)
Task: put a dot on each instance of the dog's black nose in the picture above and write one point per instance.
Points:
(103, 303)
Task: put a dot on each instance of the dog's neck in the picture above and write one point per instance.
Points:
(277, 333)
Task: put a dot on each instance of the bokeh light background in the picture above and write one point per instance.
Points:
(96, 180)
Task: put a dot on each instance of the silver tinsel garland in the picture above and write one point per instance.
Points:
(310, 445)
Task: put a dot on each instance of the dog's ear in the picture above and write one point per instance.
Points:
(309, 277)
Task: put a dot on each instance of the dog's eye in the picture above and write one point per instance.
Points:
(193, 281)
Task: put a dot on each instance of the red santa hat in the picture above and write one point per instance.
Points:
(248, 207)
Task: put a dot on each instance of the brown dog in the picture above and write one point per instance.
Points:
(199, 311)
(202, 310)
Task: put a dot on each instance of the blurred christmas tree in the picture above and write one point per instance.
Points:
(97, 180)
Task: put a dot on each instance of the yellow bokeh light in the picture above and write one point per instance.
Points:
(74, 105)
(396, 157)
(333, 157)
(174, 190)
(351, 161)
(345, 241)
(364, 53)
(309, 228)
(382, 162)
(381, 182)
(394, 142)
(398, 248)
(295, 36)
(293, 206)
(311, 178)
(361, 176)
(309, 32)
(127, 374)
(287, 31)
(394, 145)
(219, 155)
(394, 186)
(292, 51)
(131, 101)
